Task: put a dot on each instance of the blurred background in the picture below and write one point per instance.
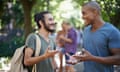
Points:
(17, 21)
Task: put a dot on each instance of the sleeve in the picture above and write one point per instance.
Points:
(114, 39)
(31, 41)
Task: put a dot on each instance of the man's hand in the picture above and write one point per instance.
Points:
(113, 59)
(84, 56)
(61, 37)
(50, 53)
(72, 60)
(69, 40)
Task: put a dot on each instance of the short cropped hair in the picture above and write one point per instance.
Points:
(93, 5)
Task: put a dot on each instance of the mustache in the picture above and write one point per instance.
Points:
(54, 23)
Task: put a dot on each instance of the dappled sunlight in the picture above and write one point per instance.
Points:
(4, 64)
(67, 10)
(17, 22)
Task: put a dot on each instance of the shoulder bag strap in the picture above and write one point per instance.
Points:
(38, 45)
(37, 51)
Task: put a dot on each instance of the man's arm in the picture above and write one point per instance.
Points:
(66, 39)
(29, 60)
(113, 59)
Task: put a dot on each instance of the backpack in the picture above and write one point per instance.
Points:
(17, 59)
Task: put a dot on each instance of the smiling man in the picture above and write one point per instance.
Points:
(46, 25)
(101, 41)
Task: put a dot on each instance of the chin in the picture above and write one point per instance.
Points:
(52, 30)
(86, 24)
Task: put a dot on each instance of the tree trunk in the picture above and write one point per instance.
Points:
(27, 7)
(1, 7)
(28, 24)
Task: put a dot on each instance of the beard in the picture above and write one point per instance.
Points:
(48, 28)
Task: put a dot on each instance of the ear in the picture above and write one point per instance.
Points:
(95, 12)
(40, 22)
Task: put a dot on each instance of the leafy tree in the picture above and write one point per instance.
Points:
(27, 8)
(14, 13)
(112, 9)
(20, 10)
(1, 7)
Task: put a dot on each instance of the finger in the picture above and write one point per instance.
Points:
(55, 51)
(76, 56)
(48, 49)
(84, 51)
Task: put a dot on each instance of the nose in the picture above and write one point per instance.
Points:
(53, 22)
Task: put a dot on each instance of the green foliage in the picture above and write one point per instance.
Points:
(15, 12)
(0, 65)
(110, 13)
(112, 9)
(18, 13)
(1, 7)
(7, 48)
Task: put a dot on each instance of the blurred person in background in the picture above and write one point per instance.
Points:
(70, 44)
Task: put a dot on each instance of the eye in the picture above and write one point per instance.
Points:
(83, 13)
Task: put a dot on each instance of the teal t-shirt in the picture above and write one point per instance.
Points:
(45, 65)
(98, 43)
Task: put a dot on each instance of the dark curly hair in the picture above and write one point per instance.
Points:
(40, 16)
